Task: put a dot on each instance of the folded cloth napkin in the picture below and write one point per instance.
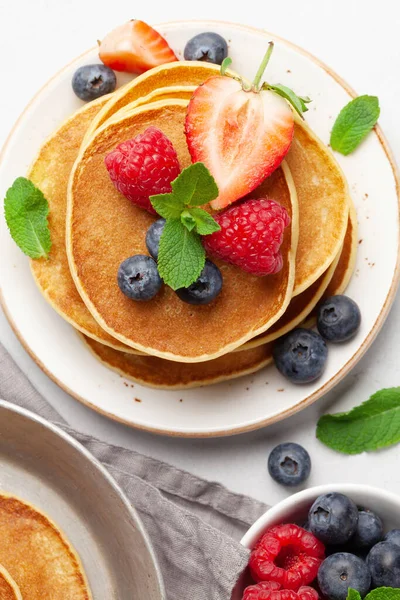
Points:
(194, 525)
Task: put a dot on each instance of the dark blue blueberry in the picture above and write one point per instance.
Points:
(338, 319)
(138, 277)
(369, 530)
(92, 81)
(393, 536)
(153, 237)
(342, 571)
(205, 288)
(289, 464)
(384, 564)
(208, 47)
(333, 518)
(300, 355)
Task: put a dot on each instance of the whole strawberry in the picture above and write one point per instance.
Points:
(251, 236)
(143, 166)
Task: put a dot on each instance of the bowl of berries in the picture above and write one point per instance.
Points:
(333, 542)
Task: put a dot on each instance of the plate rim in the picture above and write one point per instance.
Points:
(335, 379)
(101, 469)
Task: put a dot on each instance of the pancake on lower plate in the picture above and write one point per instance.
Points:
(37, 555)
(8, 588)
(50, 172)
(322, 189)
(164, 374)
(104, 228)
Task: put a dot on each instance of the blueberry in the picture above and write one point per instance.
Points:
(92, 81)
(342, 571)
(208, 47)
(384, 564)
(205, 288)
(338, 319)
(369, 530)
(393, 536)
(138, 277)
(153, 237)
(289, 464)
(333, 518)
(300, 355)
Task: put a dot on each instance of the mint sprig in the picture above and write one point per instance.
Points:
(181, 255)
(353, 123)
(372, 425)
(381, 593)
(26, 212)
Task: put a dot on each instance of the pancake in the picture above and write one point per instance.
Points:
(8, 588)
(182, 92)
(50, 172)
(164, 374)
(299, 308)
(37, 555)
(322, 189)
(104, 228)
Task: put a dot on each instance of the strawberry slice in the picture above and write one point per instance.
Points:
(135, 47)
(241, 134)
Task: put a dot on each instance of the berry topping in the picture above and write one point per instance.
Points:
(369, 530)
(393, 536)
(338, 319)
(342, 571)
(138, 278)
(384, 564)
(333, 518)
(289, 464)
(92, 81)
(205, 288)
(271, 590)
(143, 166)
(153, 237)
(288, 555)
(307, 593)
(300, 355)
(135, 47)
(206, 46)
(251, 235)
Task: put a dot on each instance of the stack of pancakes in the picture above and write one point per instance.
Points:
(166, 342)
(36, 561)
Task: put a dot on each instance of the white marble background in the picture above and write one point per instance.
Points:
(360, 41)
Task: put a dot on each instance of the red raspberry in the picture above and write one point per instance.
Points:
(289, 555)
(307, 593)
(251, 235)
(266, 591)
(143, 166)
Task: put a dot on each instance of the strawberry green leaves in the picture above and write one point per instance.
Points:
(354, 123)
(26, 211)
(299, 103)
(372, 425)
(181, 255)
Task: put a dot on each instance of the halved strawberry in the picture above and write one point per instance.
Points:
(241, 134)
(135, 47)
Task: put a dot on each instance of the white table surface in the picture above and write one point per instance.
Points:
(357, 39)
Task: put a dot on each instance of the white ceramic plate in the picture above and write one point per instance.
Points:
(243, 404)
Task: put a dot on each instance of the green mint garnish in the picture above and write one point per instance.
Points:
(354, 122)
(181, 255)
(372, 425)
(26, 211)
(382, 593)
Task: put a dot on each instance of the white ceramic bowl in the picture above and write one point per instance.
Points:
(295, 509)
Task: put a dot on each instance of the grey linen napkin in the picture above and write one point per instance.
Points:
(194, 525)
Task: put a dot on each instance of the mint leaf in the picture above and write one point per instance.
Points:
(181, 256)
(26, 211)
(298, 103)
(205, 224)
(188, 220)
(353, 594)
(194, 186)
(167, 205)
(383, 593)
(372, 425)
(354, 122)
